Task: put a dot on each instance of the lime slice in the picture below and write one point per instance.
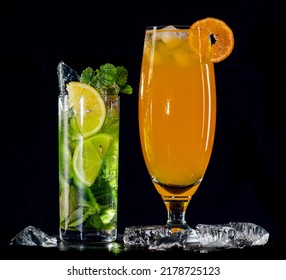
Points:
(101, 142)
(88, 107)
(88, 157)
(86, 162)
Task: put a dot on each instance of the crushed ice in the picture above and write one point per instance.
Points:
(33, 236)
(230, 235)
(144, 236)
(225, 236)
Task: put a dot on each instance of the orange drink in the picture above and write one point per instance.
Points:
(177, 112)
(177, 108)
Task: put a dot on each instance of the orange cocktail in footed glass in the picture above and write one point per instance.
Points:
(177, 110)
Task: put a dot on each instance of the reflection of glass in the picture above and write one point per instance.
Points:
(177, 114)
(88, 206)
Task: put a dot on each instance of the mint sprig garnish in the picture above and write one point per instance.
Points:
(108, 79)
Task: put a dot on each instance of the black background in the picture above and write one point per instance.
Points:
(245, 178)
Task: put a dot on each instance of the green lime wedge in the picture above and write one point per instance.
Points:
(88, 157)
(101, 142)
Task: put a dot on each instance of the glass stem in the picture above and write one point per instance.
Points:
(176, 214)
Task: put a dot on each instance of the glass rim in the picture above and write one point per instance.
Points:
(160, 27)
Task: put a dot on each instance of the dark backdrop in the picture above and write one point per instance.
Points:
(245, 178)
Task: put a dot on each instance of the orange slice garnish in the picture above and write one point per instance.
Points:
(211, 37)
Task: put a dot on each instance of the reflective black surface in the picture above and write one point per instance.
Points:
(117, 250)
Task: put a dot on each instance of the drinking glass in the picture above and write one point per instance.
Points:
(88, 203)
(177, 115)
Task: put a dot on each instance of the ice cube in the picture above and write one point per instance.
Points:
(204, 237)
(175, 240)
(171, 36)
(166, 36)
(255, 234)
(65, 75)
(32, 236)
(231, 235)
(143, 236)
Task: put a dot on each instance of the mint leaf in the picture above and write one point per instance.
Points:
(127, 89)
(107, 216)
(108, 79)
(77, 217)
(87, 75)
(106, 75)
(121, 76)
(96, 222)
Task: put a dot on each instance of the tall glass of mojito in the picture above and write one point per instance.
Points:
(89, 153)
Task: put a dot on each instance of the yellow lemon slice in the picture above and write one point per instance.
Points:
(88, 107)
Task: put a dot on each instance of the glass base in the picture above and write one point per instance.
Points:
(177, 227)
(88, 236)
